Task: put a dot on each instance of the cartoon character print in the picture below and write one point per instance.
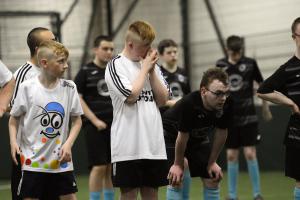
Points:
(51, 119)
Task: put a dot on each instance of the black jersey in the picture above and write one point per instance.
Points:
(241, 77)
(189, 115)
(91, 85)
(286, 80)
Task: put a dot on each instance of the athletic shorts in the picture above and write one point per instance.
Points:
(292, 162)
(197, 156)
(243, 136)
(140, 173)
(35, 184)
(98, 145)
(16, 175)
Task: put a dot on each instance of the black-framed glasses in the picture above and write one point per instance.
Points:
(219, 94)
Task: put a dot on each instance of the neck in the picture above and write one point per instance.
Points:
(232, 61)
(127, 54)
(101, 64)
(34, 61)
(297, 53)
(47, 81)
(170, 68)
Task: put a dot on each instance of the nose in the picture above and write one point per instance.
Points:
(49, 130)
(66, 66)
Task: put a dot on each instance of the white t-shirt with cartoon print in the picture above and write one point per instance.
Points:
(5, 74)
(136, 131)
(44, 123)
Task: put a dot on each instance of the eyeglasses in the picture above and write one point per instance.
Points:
(220, 94)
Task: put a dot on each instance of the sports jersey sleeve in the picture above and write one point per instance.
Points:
(80, 81)
(257, 76)
(76, 108)
(184, 113)
(116, 79)
(274, 82)
(5, 74)
(20, 103)
(161, 77)
(226, 120)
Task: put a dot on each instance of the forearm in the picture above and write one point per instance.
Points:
(219, 141)
(75, 129)
(180, 147)
(160, 92)
(137, 86)
(277, 98)
(13, 129)
(86, 110)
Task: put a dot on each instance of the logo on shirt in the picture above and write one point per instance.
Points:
(146, 96)
(51, 119)
(236, 82)
(102, 88)
(176, 90)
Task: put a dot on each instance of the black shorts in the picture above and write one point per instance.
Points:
(98, 145)
(197, 156)
(140, 173)
(243, 136)
(292, 162)
(35, 184)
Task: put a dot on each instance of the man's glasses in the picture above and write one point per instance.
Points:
(220, 94)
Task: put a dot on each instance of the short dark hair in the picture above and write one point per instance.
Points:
(294, 24)
(100, 38)
(33, 39)
(213, 74)
(235, 43)
(164, 44)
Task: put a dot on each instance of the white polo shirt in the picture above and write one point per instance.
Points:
(136, 131)
(5, 74)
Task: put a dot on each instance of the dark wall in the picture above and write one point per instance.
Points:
(270, 151)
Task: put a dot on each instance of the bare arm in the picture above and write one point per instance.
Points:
(99, 124)
(13, 129)
(161, 93)
(66, 154)
(279, 98)
(219, 140)
(138, 84)
(175, 175)
(5, 95)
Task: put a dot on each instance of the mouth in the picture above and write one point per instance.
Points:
(50, 136)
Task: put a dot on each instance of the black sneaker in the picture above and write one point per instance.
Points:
(258, 197)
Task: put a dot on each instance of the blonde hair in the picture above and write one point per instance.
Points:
(48, 49)
(140, 31)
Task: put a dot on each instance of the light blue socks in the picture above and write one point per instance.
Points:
(297, 193)
(186, 185)
(95, 195)
(174, 193)
(211, 193)
(109, 194)
(233, 171)
(254, 176)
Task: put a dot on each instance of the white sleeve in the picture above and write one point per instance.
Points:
(20, 103)
(76, 108)
(5, 74)
(117, 80)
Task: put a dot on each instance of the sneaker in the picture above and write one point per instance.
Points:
(258, 197)
(227, 198)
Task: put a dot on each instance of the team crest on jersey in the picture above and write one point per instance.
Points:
(176, 90)
(67, 84)
(102, 88)
(235, 82)
(51, 119)
(242, 67)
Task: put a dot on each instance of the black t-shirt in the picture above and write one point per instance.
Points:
(189, 115)
(286, 80)
(241, 77)
(178, 83)
(91, 85)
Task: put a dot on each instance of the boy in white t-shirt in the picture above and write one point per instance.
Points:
(7, 85)
(41, 113)
(137, 88)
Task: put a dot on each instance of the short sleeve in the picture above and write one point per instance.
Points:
(80, 80)
(76, 108)
(5, 74)
(274, 82)
(257, 76)
(184, 121)
(116, 79)
(21, 103)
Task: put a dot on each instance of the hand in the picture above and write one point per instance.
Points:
(65, 153)
(100, 125)
(295, 108)
(215, 172)
(150, 60)
(175, 175)
(14, 149)
(267, 115)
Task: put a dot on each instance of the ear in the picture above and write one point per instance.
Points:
(43, 62)
(202, 90)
